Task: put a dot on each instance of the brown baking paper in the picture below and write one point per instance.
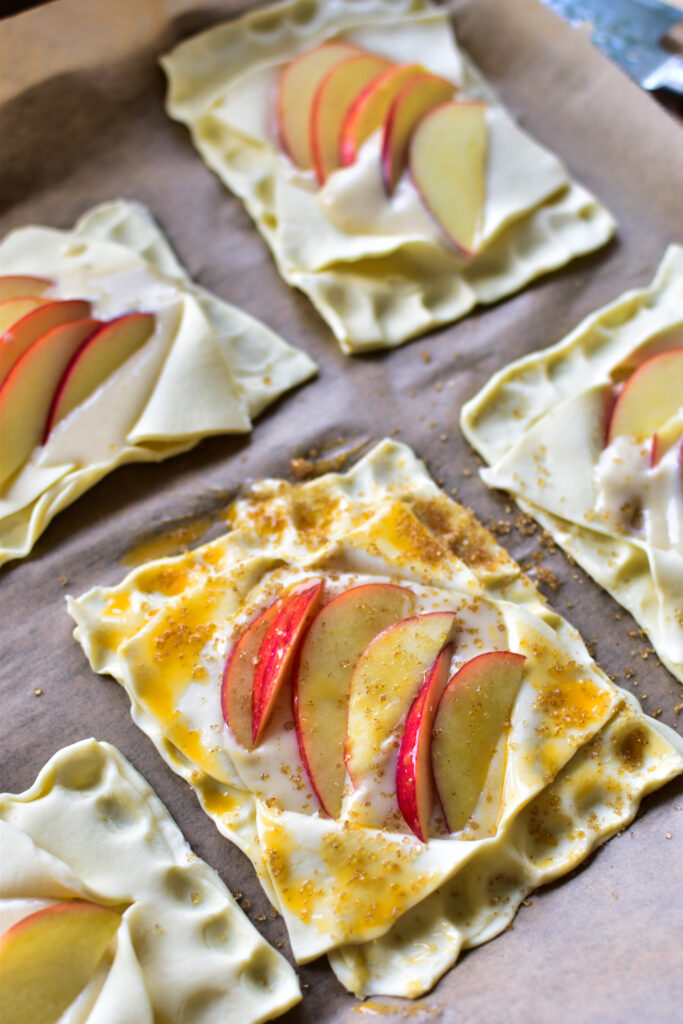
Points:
(81, 118)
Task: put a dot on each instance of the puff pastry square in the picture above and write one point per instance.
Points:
(362, 887)
(377, 272)
(208, 368)
(540, 424)
(90, 829)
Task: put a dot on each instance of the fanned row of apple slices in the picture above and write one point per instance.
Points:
(649, 405)
(49, 956)
(331, 99)
(53, 355)
(368, 675)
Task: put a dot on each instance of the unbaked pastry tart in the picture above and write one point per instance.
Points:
(307, 673)
(397, 195)
(587, 437)
(110, 354)
(106, 915)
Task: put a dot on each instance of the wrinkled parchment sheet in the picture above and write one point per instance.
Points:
(82, 120)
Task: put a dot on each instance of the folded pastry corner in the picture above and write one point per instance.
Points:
(113, 918)
(373, 702)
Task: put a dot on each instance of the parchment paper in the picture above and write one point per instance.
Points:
(81, 120)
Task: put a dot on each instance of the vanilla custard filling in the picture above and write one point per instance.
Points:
(636, 498)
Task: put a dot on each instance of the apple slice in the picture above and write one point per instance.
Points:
(238, 676)
(48, 958)
(415, 99)
(103, 353)
(27, 391)
(370, 108)
(12, 310)
(16, 286)
(666, 437)
(414, 775)
(448, 153)
(277, 651)
(651, 396)
(384, 684)
(296, 89)
(331, 103)
(473, 712)
(34, 325)
(327, 657)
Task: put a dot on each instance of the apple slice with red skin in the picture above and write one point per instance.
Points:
(370, 108)
(27, 391)
(48, 958)
(473, 711)
(384, 684)
(335, 640)
(415, 99)
(333, 99)
(34, 325)
(651, 396)
(278, 650)
(12, 310)
(16, 286)
(414, 775)
(296, 90)
(238, 676)
(106, 350)
(448, 152)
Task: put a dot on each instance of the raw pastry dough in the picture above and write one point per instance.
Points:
(579, 755)
(208, 368)
(539, 423)
(378, 272)
(184, 950)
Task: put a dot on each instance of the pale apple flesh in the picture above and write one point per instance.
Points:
(27, 391)
(335, 640)
(384, 684)
(14, 286)
(333, 99)
(370, 109)
(278, 651)
(651, 397)
(238, 676)
(415, 99)
(296, 90)
(473, 713)
(666, 437)
(414, 775)
(448, 154)
(102, 354)
(34, 325)
(12, 310)
(49, 957)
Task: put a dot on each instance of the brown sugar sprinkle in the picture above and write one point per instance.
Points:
(301, 468)
(426, 357)
(63, 581)
(38, 692)
(525, 525)
(678, 708)
(548, 577)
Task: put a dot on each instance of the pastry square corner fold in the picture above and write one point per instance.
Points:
(587, 437)
(280, 669)
(110, 354)
(379, 268)
(120, 920)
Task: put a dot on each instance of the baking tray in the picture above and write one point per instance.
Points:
(82, 121)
